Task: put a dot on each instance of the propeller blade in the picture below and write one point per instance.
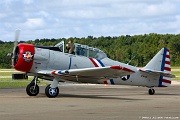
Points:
(17, 32)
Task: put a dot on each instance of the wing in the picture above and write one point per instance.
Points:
(95, 72)
(162, 73)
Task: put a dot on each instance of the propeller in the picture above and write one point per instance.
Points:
(17, 32)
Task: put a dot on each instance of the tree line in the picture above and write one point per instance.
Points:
(136, 50)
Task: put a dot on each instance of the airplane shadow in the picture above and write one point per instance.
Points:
(170, 94)
(107, 97)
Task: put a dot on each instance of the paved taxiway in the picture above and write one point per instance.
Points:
(92, 102)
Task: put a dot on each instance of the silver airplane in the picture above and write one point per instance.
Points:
(86, 65)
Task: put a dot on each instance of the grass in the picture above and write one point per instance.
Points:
(13, 83)
(7, 73)
(176, 72)
(19, 83)
(7, 82)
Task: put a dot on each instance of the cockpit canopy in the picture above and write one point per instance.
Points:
(84, 50)
(87, 51)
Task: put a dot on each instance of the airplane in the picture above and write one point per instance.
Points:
(86, 65)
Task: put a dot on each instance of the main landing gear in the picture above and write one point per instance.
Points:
(51, 90)
(151, 91)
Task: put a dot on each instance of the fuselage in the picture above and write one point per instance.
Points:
(47, 59)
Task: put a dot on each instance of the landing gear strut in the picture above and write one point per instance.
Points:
(151, 91)
(33, 89)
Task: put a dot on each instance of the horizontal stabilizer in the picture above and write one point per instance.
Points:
(161, 73)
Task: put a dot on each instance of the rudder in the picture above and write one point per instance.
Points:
(165, 81)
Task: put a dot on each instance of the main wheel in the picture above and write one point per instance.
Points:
(32, 90)
(51, 92)
(151, 91)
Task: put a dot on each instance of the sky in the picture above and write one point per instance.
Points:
(38, 19)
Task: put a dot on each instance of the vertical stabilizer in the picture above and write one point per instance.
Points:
(161, 62)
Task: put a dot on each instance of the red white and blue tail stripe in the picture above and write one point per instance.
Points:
(165, 81)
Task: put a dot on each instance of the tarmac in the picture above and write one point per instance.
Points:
(92, 102)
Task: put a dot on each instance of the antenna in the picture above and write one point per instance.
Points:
(131, 60)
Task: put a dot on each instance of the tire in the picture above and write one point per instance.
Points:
(31, 91)
(151, 91)
(51, 92)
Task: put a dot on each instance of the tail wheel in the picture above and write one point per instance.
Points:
(151, 91)
(51, 92)
(32, 89)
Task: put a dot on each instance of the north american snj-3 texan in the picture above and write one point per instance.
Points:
(86, 65)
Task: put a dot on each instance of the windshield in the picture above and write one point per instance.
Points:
(60, 45)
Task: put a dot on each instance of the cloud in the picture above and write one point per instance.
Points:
(2, 15)
(72, 18)
(163, 8)
(34, 23)
(28, 1)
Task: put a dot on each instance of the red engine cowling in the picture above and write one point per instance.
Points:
(23, 57)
